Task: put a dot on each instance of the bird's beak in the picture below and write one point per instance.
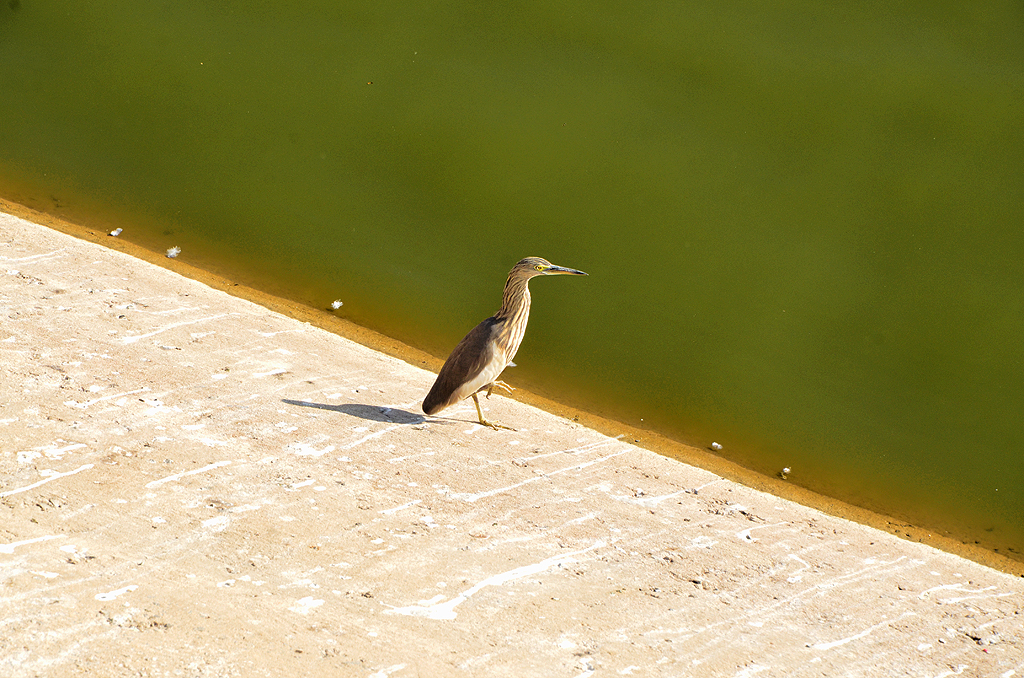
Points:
(559, 270)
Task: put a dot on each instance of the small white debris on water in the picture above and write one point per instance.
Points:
(716, 446)
(173, 252)
(336, 304)
(116, 232)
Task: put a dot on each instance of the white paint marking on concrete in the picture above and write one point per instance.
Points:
(51, 476)
(395, 460)
(581, 519)
(446, 611)
(274, 334)
(744, 535)
(467, 497)
(44, 574)
(796, 576)
(371, 436)
(9, 548)
(304, 605)
(53, 452)
(217, 524)
(244, 508)
(178, 476)
(708, 484)
(137, 337)
(111, 595)
(701, 542)
(393, 511)
(960, 588)
(82, 406)
(950, 601)
(180, 309)
(572, 450)
(652, 502)
(32, 257)
(307, 450)
(271, 373)
(862, 634)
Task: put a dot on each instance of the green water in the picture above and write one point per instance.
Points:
(803, 222)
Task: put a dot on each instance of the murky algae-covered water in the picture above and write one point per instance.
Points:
(802, 223)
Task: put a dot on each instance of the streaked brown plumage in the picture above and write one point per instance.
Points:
(488, 349)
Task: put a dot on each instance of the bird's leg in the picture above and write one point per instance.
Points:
(484, 422)
(498, 384)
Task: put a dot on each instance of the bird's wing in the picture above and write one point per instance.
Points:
(472, 365)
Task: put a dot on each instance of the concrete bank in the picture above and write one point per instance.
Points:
(192, 484)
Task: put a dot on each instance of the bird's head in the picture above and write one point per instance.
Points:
(531, 266)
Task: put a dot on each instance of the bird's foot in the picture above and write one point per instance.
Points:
(499, 384)
(484, 422)
(496, 427)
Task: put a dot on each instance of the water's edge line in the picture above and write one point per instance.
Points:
(646, 439)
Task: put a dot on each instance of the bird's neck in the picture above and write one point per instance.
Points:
(515, 303)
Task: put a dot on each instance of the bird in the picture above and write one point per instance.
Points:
(477, 361)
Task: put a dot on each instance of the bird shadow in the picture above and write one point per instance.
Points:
(372, 412)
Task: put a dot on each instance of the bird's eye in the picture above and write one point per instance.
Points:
(539, 267)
